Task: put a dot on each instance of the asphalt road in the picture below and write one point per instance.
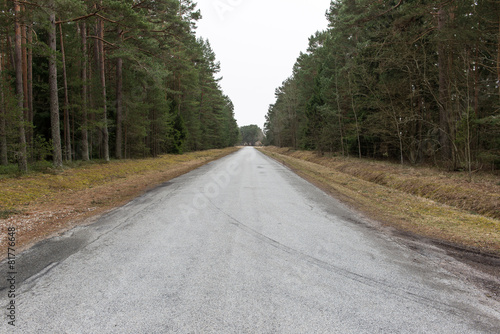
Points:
(241, 245)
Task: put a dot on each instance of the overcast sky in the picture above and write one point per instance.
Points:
(257, 42)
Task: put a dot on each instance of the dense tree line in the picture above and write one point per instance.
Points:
(107, 78)
(251, 135)
(416, 81)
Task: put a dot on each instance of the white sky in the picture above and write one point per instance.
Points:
(257, 43)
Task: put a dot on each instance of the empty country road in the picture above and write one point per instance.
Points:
(241, 245)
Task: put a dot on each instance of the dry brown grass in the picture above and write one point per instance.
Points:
(423, 201)
(41, 204)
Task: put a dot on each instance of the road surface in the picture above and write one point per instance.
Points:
(241, 245)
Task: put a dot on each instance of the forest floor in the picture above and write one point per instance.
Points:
(445, 207)
(42, 204)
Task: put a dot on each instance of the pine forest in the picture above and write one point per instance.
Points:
(107, 79)
(413, 81)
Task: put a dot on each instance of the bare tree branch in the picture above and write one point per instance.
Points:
(103, 40)
(78, 18)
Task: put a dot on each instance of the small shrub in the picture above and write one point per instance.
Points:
(10, 169)
(41, 166)
(41, 148)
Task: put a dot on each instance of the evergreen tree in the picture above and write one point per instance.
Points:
(414, 81)
(128, 77)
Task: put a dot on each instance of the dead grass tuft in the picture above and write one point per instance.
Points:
(481, 196)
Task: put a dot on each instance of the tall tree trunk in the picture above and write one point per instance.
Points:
(30, 86)
(24, 40)
(4, 158)
(119, 103)
(24, 49)
(11, 48)
(498, 55)
(102, 70)
(355, 116)
(4, 161)
(54, 99)
(85, 142)
(444, 105)
(476, 80)
(67, 132)
(339, 110)
(93, 99)
(21, 154)
(96, 95)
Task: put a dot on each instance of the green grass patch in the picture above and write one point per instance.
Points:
(4, 214)
(9, 170)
